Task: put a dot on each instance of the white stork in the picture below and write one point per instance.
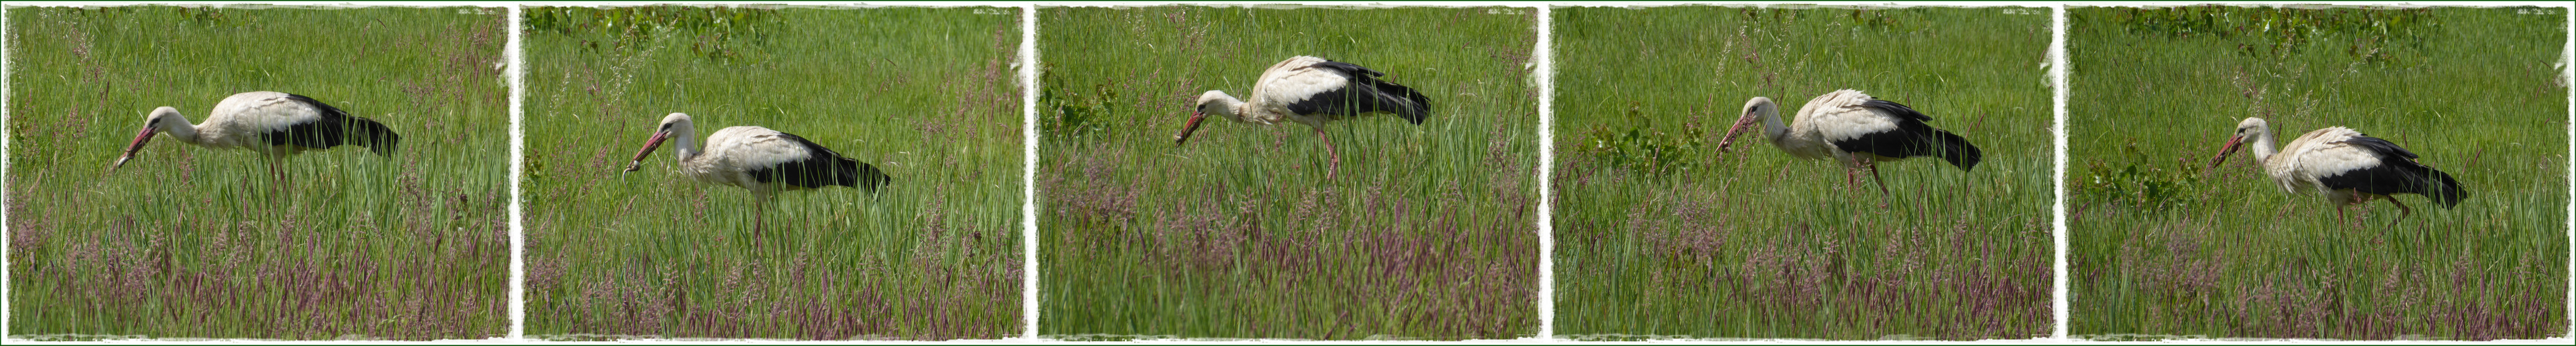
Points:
(2345, 165)
(273, 123)
(758, 159)
(1312, 91)
(1855, 129)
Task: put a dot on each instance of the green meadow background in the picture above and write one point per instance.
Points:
(189, 242)
(1427, 233)
(929, 95)
(2164, 246)
(1661, 235)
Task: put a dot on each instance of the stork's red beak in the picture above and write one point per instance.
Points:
(2233, 142)
(1741, 124)
(1193, 126)
(139, 139)
(649, 145)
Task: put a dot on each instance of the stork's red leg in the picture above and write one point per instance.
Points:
(1851, 174)
(758, 214)
(2402, 210)
(1872, 166)
(1336, 155)
(280, 178)
(2339, 214)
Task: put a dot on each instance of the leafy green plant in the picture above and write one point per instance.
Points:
(1648, 150)
(2139, 182)
(1069, 115)
(720, 33)
(2370, 35)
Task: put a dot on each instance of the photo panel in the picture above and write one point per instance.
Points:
(774, 172)
(1288, 172)
(1199, 172)
(213, 172)
(1803, 172)
(2317, 172)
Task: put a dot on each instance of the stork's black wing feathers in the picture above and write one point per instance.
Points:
(335, 128)
(821, 167)
(1913, 138)
(2396, 173)
(1363, 94)
(2380, 146)
(1899, 109)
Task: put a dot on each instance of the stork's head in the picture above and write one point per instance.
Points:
(676, 123)
(160, 120)
(1210, 102)
(1755, 111)
(2248, 131)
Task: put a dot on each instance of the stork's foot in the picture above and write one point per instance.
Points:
(2402, 211)
(1851, 178)
(1335, 167)
(1872, 166)
(1851, 181)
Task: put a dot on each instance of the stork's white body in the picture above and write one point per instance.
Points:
(1291, 81)
(1830, 117)
(2316, 155)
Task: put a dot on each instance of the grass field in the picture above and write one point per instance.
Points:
(2163, 247)
(188, 242)
(1427, 233)
(1660, 235)
(927, 94)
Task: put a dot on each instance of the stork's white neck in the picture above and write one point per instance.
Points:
(2262, 143)
(1772, 128)
(184, 131)
(1231, 108)
(686, 142)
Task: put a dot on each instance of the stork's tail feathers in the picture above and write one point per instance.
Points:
(373, 135)
(1402, 101)
(2442, 189)
(334, 128)
(1366, 93)
(1912, 138)
(862, 175)
(1957, 150)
